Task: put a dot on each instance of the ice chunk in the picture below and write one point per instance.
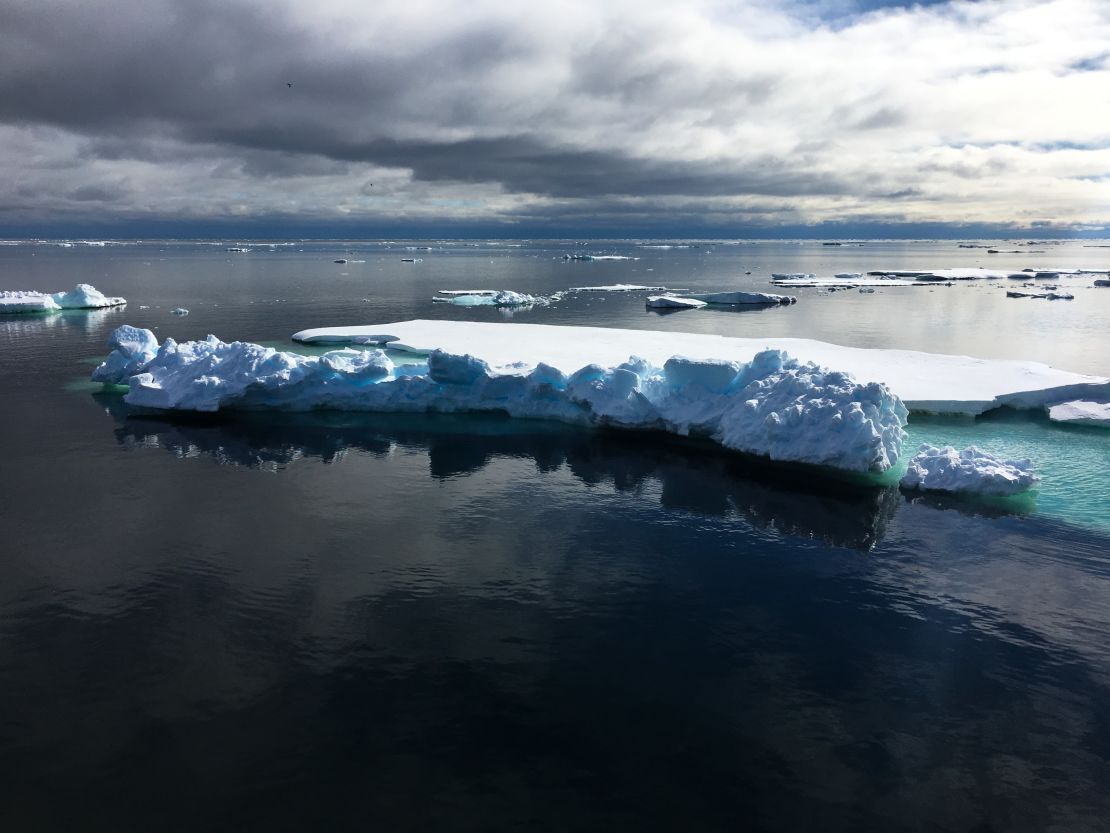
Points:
(744, 298)
(83, 296)
(1081, 412)
(132, 348)
(619, 287)
(971, 470)
(672, 302)
(773, 405)
(179, 311)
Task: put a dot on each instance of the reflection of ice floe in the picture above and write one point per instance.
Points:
(971, 471)
(772, 406)
(689, 479)
(83, 296)
(1081, 412)
(926, 382)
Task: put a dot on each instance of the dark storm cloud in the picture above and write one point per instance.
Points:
(492, 110)
(213, 73)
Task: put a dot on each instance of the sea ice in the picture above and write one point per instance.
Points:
(488, 298)
(672, 302)
(1081, 412)
(926, 382)
(971, 470)
(619, 287)
(744, 298)
(179, 311)
(83, 296)
(774, 405)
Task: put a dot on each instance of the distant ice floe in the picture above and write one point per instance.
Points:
(1081, 412)
(179, 311)
(489, 298)
(773, 406)
(1048, 296)
(1102, 282)
(84, 296)
(843, 280)
(970, 471)
(619, 287)
(598, 257)
(926, 382)
(734, 299)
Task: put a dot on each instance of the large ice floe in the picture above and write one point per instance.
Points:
(926, 382)
(672, 302)
(1080, 412)
(970, 471)
(772, 405)
(737, 299)
(83, 296)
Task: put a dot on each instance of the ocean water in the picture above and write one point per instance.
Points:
(340, 621)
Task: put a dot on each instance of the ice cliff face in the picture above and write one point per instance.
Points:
(774, 405)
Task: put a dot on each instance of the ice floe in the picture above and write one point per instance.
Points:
(672, 302)
(926, 382)
(488, 298)
(969, 471)
(619, 287)
(1081, 412)
(849, 280)
(1048, 296)
(772, 406)
(83, 296)
(733, 299)
(179, 311)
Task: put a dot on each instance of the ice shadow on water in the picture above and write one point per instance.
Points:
(686, 476)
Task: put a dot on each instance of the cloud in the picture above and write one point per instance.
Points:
(948, 112)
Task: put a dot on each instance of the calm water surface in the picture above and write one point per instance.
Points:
(340, 621)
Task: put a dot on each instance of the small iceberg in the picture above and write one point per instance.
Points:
(1081, 412)
(773, 406)
(83, 296)
(487, 298)
(734, 299)
(673, 302)
(179, 311)
(970, 471)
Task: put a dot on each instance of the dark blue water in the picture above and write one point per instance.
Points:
(329, 621)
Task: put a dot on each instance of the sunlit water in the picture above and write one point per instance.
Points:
(339, 621)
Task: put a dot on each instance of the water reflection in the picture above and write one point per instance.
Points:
(682, 476)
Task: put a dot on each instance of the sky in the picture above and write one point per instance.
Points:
(746, 118)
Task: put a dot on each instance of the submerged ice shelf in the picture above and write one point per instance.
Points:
(926, 382)
(771, 405)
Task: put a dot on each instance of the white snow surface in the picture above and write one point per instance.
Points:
(773, 406)
(83, 296)
(970, 471)
(926, 382)
(1081, 412)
